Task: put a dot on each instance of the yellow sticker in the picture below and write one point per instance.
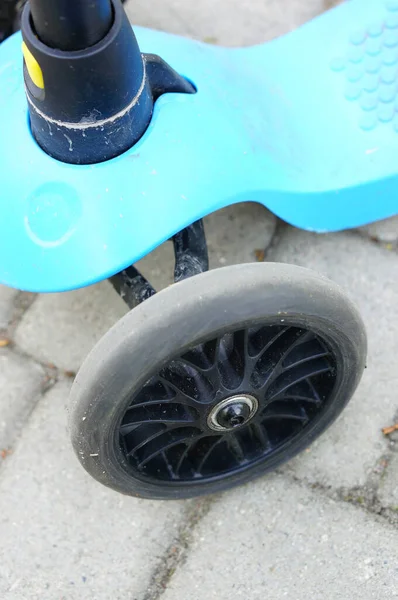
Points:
(34, 70)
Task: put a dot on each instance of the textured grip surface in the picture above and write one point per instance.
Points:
(369, 64)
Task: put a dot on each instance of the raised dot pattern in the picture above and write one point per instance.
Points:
(370, 67)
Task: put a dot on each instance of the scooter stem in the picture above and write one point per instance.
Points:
(71, 24)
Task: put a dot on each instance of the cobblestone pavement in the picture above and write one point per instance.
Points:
(324, 525)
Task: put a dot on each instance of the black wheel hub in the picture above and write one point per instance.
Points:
(232, 413)
(227, 404)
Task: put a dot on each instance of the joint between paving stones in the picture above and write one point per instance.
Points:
(50, 374)
(21, 304)
(391, 246)
(364, 497)
(393, 437)
(177, 553)
(275, 239)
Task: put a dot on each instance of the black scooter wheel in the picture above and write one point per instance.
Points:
(216, 381)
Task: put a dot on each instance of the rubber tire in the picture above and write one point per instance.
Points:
(186, 314)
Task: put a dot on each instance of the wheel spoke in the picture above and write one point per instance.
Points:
(268, 363)
(314, 391)
(161, 443)
(223, 364)
(152, 403)
(148, 456)
(287, 343)
(304, 352)
(296, 398)
(306, 359)
(159, 413)
(231, 359)
(184, 454)
(154, 391)
(261, 340)
(190, 385)
(129, 428)
(214, 442)
(236, 448)
(217, 350)
(294, 376)
(179, 396)
(261, 434)
(142, 436)
(201, 357)
(279, 410)
(303, 391)
(168, 464)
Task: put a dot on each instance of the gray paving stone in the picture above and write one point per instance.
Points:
(231, 23)
(346, 453)
(64, 536)
(275, 539)
(385, 231)
(62, 328)
(388, 490)
(7, 296)
(20, 385)
(237, 232)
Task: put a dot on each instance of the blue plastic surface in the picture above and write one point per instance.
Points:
(306, 124)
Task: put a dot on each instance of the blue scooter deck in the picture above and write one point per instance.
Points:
(306, 124)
